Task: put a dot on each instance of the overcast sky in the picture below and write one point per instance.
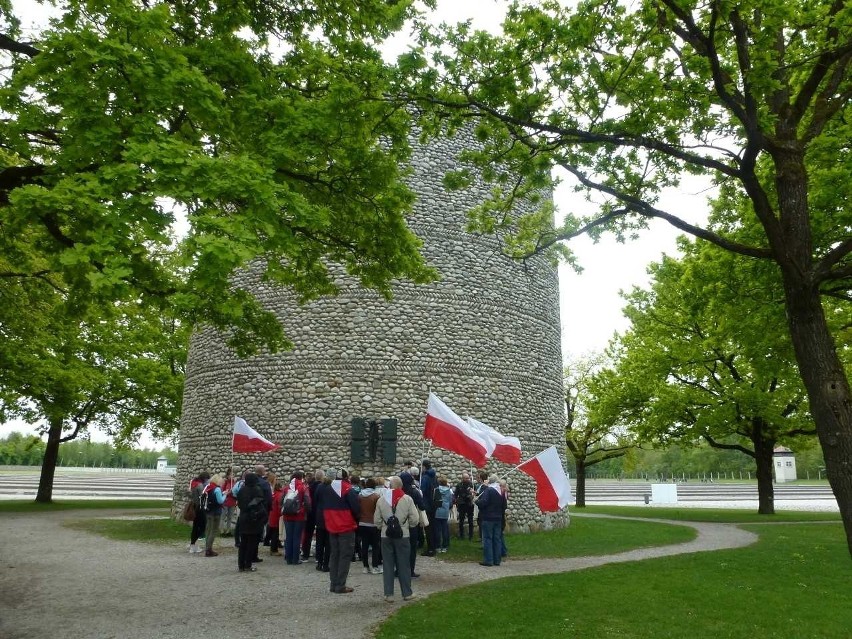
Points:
(590, 302)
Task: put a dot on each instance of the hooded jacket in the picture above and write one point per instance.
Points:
(342, 507)
(442, 510)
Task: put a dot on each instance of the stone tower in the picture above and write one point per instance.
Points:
(485, 338)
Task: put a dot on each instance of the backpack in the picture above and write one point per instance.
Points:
(204, 502)
(211, 506)
(256, 510)
(291, 502)
(394, 528)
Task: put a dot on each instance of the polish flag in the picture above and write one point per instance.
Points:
(248, 440)
(552, 489)
(505, 448)
(450, 432)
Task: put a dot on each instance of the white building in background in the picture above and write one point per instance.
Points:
(163, 466)
(785, 464)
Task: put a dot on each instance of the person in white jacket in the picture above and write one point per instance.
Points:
(396, 553)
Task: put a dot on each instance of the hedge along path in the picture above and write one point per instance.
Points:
(63, 583)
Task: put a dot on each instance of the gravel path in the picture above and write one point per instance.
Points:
(61, 583)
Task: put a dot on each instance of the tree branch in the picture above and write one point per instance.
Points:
(823, 268)
(8, 44)
(713, 443)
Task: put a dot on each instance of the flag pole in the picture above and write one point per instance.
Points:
(511, 470)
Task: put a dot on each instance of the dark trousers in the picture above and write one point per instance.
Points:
(323, 551)
(465, 512)
(371, 538)
(342, 545)
(414, 535)
(442, 533)
(292, 537)
(395, 550)
(356, 553)
(308, 536)
(247, 551)
(429, 531)
(272, 534)
(198, 526)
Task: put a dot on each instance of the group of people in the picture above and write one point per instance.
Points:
(381, 522)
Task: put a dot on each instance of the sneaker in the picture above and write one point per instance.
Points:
(389, 599)
(409, 597)
(377, 570)
(366, 570)
(277, 553)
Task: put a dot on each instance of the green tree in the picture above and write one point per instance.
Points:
(118, 368)
(707, 356)
(589, 441)
(265, 123)
(626, 98)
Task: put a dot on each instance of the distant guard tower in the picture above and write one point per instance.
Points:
(785, 464)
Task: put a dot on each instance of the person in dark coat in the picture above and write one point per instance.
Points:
(311, 519)
(490, 503)
(340, 515)
(416, 530)
(251, 496)
(428, 484)
(323, 494)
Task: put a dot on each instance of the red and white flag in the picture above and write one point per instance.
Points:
(450, 432)
(505, 448)
(552, 488)
(248, 440)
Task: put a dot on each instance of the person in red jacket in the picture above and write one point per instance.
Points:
(341, 512)
(230, 506)
(272, 531)
(297, 498)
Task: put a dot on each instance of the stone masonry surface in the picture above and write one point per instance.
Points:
(485, 338)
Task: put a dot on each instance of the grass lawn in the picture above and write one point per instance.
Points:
(794, 583)
(584, 537)
(721, 515)
(161, 529)
(28, 506)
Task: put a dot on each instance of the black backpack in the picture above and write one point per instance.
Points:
(291, 502)
(256, 511)
(394, 528)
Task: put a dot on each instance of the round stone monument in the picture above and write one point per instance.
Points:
(352, 392)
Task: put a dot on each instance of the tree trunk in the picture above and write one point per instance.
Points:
(821, 369)
(48, 464)
(581, 482)
(828, 392)
(763, 450)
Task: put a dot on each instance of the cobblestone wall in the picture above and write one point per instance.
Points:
(485, 338)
